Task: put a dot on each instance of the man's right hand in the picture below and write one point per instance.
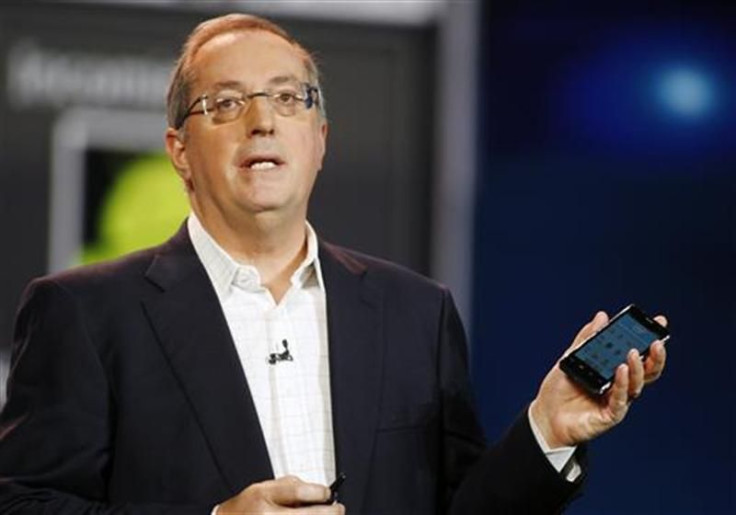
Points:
(285, 495)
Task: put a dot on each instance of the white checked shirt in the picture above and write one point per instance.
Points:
(292, 398)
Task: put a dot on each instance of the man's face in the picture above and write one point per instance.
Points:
(262, 163)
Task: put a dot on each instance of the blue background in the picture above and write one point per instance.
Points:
(607, 177)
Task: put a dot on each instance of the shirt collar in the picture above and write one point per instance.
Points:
(223, 270)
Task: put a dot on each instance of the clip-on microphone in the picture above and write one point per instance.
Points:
(275, 357)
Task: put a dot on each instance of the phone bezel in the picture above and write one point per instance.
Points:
(585, 375)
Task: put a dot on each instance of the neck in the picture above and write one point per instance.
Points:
(274, 247)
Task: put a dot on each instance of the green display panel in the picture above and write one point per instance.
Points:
(131, 202)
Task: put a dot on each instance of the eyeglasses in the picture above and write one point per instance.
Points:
(227, 105)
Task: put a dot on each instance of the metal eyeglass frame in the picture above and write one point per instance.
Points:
(310, 98)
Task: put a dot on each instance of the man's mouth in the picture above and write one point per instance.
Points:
(262, 163)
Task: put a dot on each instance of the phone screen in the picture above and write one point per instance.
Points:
(608, 349)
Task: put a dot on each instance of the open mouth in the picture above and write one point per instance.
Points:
(262, 163)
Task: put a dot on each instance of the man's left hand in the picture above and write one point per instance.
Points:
(567, 415)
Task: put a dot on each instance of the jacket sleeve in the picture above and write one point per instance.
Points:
(57, 427)
(511, 476)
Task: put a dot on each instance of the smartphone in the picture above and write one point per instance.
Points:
(593, 365)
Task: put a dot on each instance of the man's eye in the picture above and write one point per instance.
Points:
(224, 104)
(285, 97)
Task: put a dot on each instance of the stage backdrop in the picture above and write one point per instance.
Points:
(608, 177)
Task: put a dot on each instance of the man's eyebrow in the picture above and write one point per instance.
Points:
(275, 81)
(281, 79)
(223, 84)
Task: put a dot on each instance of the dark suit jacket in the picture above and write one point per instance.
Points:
(126, 395)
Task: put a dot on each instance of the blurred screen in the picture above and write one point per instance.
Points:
(132, 200)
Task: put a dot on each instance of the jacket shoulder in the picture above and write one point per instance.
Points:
(108, 273)
(389, 274)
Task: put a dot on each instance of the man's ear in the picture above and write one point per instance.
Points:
(176, 148)
(323, 133)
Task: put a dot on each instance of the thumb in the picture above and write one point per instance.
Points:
(596, 324)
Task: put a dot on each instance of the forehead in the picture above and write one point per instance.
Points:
(251, 57)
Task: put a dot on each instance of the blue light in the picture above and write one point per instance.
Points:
(686, 92)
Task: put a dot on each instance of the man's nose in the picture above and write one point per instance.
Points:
(259, 117)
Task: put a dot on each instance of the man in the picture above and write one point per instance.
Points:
(241, 366)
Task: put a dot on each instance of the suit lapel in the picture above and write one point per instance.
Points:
(193, 333)
(354, 315)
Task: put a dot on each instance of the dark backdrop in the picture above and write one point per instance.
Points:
(607, 177)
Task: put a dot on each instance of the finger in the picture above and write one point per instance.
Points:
(323, 509)
(618, 398)
(636, 373)
(661, 320)
(655, 362)
(292, 491)
(596, 324)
